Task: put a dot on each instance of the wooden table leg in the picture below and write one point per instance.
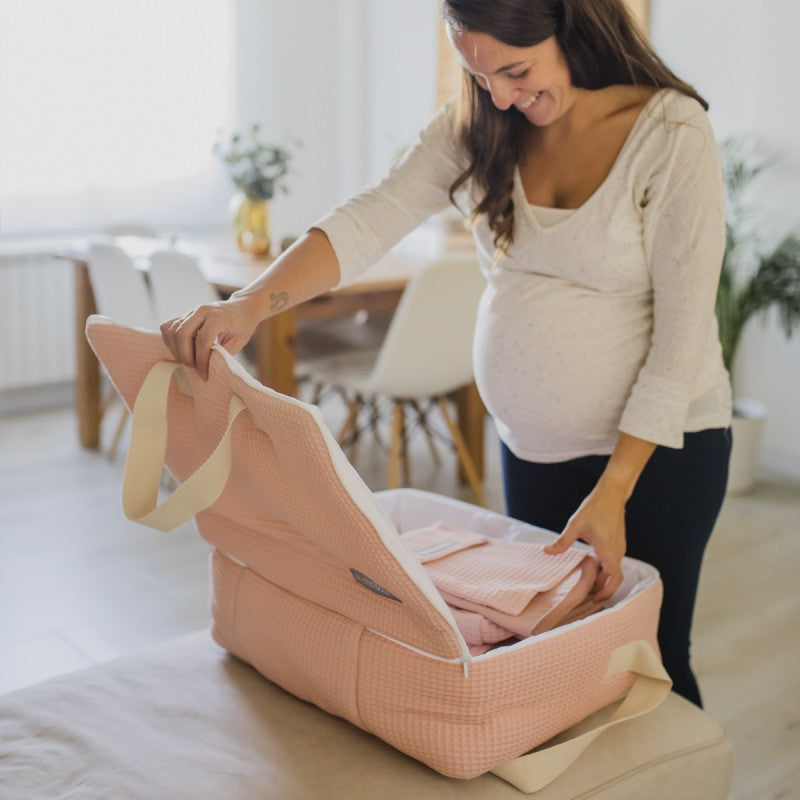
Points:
(274, 342)
(471, 414)
(87, 368)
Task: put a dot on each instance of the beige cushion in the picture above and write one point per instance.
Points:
(189, 721)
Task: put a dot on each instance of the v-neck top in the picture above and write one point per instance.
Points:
(598, 322)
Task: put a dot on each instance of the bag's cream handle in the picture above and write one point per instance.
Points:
(145, 461)
(532, 772)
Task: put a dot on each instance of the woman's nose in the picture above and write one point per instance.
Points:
(501, 93)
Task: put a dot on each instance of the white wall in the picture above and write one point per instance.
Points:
(287, 78)
(713, 45)
(743, 57)
(108, 112)
(401, 79)
(769, 366)
(353, 79)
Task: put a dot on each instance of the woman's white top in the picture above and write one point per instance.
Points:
(599, 322)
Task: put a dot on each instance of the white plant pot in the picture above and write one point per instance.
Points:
(747, 426)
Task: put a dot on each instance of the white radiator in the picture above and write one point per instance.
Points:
(36, 320)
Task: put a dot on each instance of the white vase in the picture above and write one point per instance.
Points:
(747, 426)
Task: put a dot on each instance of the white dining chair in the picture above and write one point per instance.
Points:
(178, 284)
(121, 293)
(120, 287)
(425, 356)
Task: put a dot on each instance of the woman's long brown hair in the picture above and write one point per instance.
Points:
(602, 45)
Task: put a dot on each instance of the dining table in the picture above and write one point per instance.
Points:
(377, 290)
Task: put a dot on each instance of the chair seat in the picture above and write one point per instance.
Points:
(349, 370)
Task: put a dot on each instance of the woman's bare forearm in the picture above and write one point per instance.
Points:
(307, 269)
(627, 461)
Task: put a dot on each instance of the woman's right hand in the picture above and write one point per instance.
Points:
(308, 268)
(230, 323)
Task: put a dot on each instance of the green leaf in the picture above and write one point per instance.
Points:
(256, 168)
(752, 281)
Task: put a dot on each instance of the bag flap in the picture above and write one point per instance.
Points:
(293, 510)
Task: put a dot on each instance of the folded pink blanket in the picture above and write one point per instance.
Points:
(479, 633)
(481, 579)
(497, 573)
(547, 609)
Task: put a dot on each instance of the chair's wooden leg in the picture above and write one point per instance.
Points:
(463, 454)
(423, 421)
(318, 389)
(471, 417)
(123, 418)
(351, 451)
(404, 455)
(300, 383)
(374, 418)
(107, 400)
(350, 421)
(396, 446)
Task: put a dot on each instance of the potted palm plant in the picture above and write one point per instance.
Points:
(755, 278)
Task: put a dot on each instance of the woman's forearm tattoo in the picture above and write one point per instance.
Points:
(279, 302)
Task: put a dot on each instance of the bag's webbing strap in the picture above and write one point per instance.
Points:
(145, 461)
(532, 772)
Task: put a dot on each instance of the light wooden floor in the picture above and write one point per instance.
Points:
(79, 584)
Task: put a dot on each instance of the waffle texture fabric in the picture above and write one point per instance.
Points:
(314, 586)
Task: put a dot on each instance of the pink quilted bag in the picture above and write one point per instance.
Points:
(314, 586)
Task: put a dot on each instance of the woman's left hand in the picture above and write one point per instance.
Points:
(600, 518)
(600, 522)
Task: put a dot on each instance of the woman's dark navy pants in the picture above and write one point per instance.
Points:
(668, 519)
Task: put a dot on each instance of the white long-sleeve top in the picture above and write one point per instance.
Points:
(601, 322)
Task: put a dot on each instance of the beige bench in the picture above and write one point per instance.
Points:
(188, 721)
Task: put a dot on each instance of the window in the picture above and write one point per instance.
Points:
(109, 110)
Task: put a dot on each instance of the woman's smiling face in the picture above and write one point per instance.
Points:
(535, 79)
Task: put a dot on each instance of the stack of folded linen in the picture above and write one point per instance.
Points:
(502, 590)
